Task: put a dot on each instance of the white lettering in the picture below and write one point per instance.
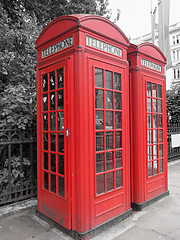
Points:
(57, 47)
(92, 42)
(151, 65)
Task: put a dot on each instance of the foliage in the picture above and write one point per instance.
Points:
(21, 22)
(16, 174)
(18, 106)
(173, 105)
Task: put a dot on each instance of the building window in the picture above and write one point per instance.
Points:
(174, 42)
(178, 52)
(174, 55)
(178, 73)
(174, 73)
(178, 38)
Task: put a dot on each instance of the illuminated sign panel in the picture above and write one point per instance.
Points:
(151, 65)
(57, 47)
(105, 47)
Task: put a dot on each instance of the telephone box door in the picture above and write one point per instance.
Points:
(54, 166)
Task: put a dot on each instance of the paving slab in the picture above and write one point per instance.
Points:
(138, 233)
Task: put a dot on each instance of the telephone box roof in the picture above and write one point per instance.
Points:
(148, 49)
(91, 23)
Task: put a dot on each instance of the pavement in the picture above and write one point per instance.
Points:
(159, 220)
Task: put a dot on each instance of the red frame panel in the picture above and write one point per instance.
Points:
(116, 201)
(50, 201)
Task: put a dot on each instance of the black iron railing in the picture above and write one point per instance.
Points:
(173, 153)
(17, 165)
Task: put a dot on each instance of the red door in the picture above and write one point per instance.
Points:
(54, 166)
(156, 138)
(111, 136)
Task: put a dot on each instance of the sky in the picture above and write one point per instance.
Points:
(135, 19)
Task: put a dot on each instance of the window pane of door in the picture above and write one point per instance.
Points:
(108, 79)
(100, 184)
(98, 78)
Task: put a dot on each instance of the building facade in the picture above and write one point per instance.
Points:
(173, 73)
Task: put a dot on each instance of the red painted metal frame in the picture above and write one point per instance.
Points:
(145, 187)
(79, 61)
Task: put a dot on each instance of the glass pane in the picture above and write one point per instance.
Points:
(160, 151)
(109, 140)
(109, 161)
(45, 141)
(155, 140)
(117, 100)
(118, 140)
(150, 172)
(159, 91)
(46, 182)
(99, 98)
(160, 136)
(148, 89)
(108, 99)
(118, 120)
(99, 119)
(53, 162)
(61, 164)
(155, 149)
(60, 99)
(61, 186)
(109, 120)
(45, 83)
(61, 143)
(99, 141)
(149, 105)
(154, 90)
(60, 78)
(60, 121)
(45, 102)
(45, 116)
(149, 121)
(52, 80)
(155, 167)
(108, 79)
(46, 161)
(160, 121)
(100, 162)
(154, 121)
(154, 105)
(53, 142)
(53, 183)
(98, 78)
(149, 133)
(100, 184)
(118, 159)
(52, 101)
(119, 179)
(161, 165)
(160, 106)
(117, 81)
(149, 152)
(52, 121)
(110, 181)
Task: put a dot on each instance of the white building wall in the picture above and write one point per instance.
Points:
(173, 73)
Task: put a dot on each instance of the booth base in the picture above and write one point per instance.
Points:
(140, 206)
(90, 233)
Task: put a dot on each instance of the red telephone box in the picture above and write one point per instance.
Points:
(83, 122)
(148, 124)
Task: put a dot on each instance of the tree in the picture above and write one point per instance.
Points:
(21, 23)
(173, 105)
